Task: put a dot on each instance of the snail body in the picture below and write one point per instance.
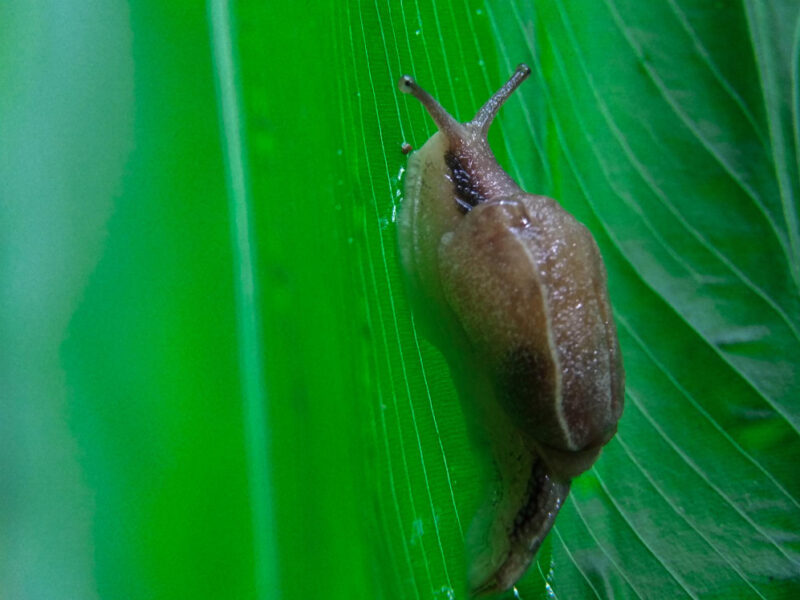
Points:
(515, 290)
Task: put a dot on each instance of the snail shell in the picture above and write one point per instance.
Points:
(513, 290)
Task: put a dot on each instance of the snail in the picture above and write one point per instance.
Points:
(513, 291)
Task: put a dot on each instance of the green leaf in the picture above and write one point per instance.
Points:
(212, 382)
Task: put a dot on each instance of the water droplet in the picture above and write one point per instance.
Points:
(417, 530)
(479, 12)
(480, 63)
(418, 31)
(550, 593)
(339, 152)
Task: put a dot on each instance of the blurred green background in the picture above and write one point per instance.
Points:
(211, 385)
